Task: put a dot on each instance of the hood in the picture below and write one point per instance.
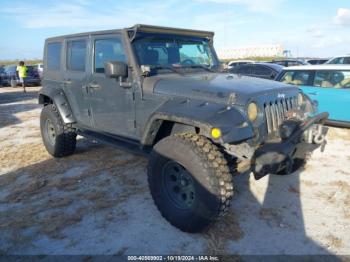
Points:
(217, 87)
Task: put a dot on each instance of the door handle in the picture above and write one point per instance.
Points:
(67, 81)
(94, 86)
(313, 93)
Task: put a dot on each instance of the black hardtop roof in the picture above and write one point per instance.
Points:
(142, 28)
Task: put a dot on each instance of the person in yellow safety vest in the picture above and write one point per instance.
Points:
(22, 73)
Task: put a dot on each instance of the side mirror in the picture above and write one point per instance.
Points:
(116, 69)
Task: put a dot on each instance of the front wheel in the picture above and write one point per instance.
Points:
(189, 180)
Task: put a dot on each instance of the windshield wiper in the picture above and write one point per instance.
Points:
(200, 66)
(168, 68)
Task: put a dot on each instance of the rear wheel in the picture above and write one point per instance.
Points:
(59, 139)
(189, 181)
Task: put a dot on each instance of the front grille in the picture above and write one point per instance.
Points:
(275, 112)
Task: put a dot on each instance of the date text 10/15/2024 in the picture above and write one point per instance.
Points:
(173, 258)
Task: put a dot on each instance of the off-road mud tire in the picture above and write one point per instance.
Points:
(64, 142)
(212, 181)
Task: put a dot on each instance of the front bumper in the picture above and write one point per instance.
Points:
(279, 157)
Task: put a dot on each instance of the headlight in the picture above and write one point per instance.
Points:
(300, 99)
(252, 112)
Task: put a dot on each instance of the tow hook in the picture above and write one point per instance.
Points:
(317, 135)
(319, 139)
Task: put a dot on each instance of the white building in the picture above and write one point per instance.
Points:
(250, 51)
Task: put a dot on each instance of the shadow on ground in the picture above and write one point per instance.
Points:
(274, 224)
(9, 107)
(7, 113)
(16, 96)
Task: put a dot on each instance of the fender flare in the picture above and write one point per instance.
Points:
(57, 97)
(202, 115)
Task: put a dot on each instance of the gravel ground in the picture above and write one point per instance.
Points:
(97, 200)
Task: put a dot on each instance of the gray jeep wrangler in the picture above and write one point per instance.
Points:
(160, 91)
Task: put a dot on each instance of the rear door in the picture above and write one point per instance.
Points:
(332, 91)
(112, 105)
(75, 74)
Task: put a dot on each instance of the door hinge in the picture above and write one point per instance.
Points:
(134, 123)
(89, 112)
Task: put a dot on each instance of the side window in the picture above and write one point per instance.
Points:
(335, 79)
(338, 60)
(110, 49)
(53, 56)
(76, 55)
(296, 77)
(287, 77)
(262, 71)
(244, 70)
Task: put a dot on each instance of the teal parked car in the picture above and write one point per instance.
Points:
(328, 84)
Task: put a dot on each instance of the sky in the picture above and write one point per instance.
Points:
(306, 27)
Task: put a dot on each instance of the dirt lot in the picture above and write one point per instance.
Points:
(97, 201)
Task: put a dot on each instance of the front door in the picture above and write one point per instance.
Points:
(332, 91)
(112, 106)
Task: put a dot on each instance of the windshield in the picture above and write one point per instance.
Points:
(163, 52)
